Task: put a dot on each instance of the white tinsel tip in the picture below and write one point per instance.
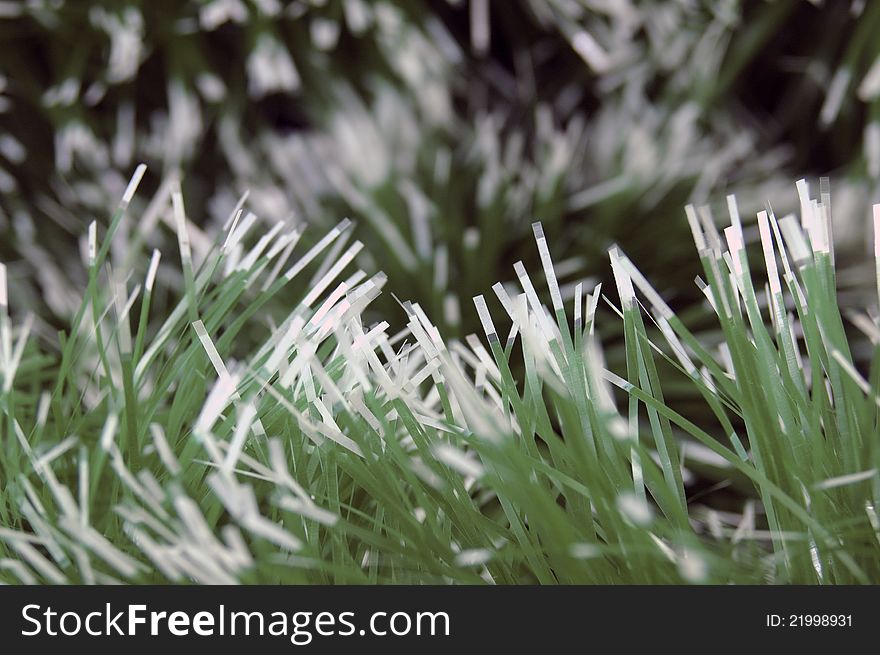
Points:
(133, 184)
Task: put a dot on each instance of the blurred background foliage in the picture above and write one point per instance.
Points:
(443, 128)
